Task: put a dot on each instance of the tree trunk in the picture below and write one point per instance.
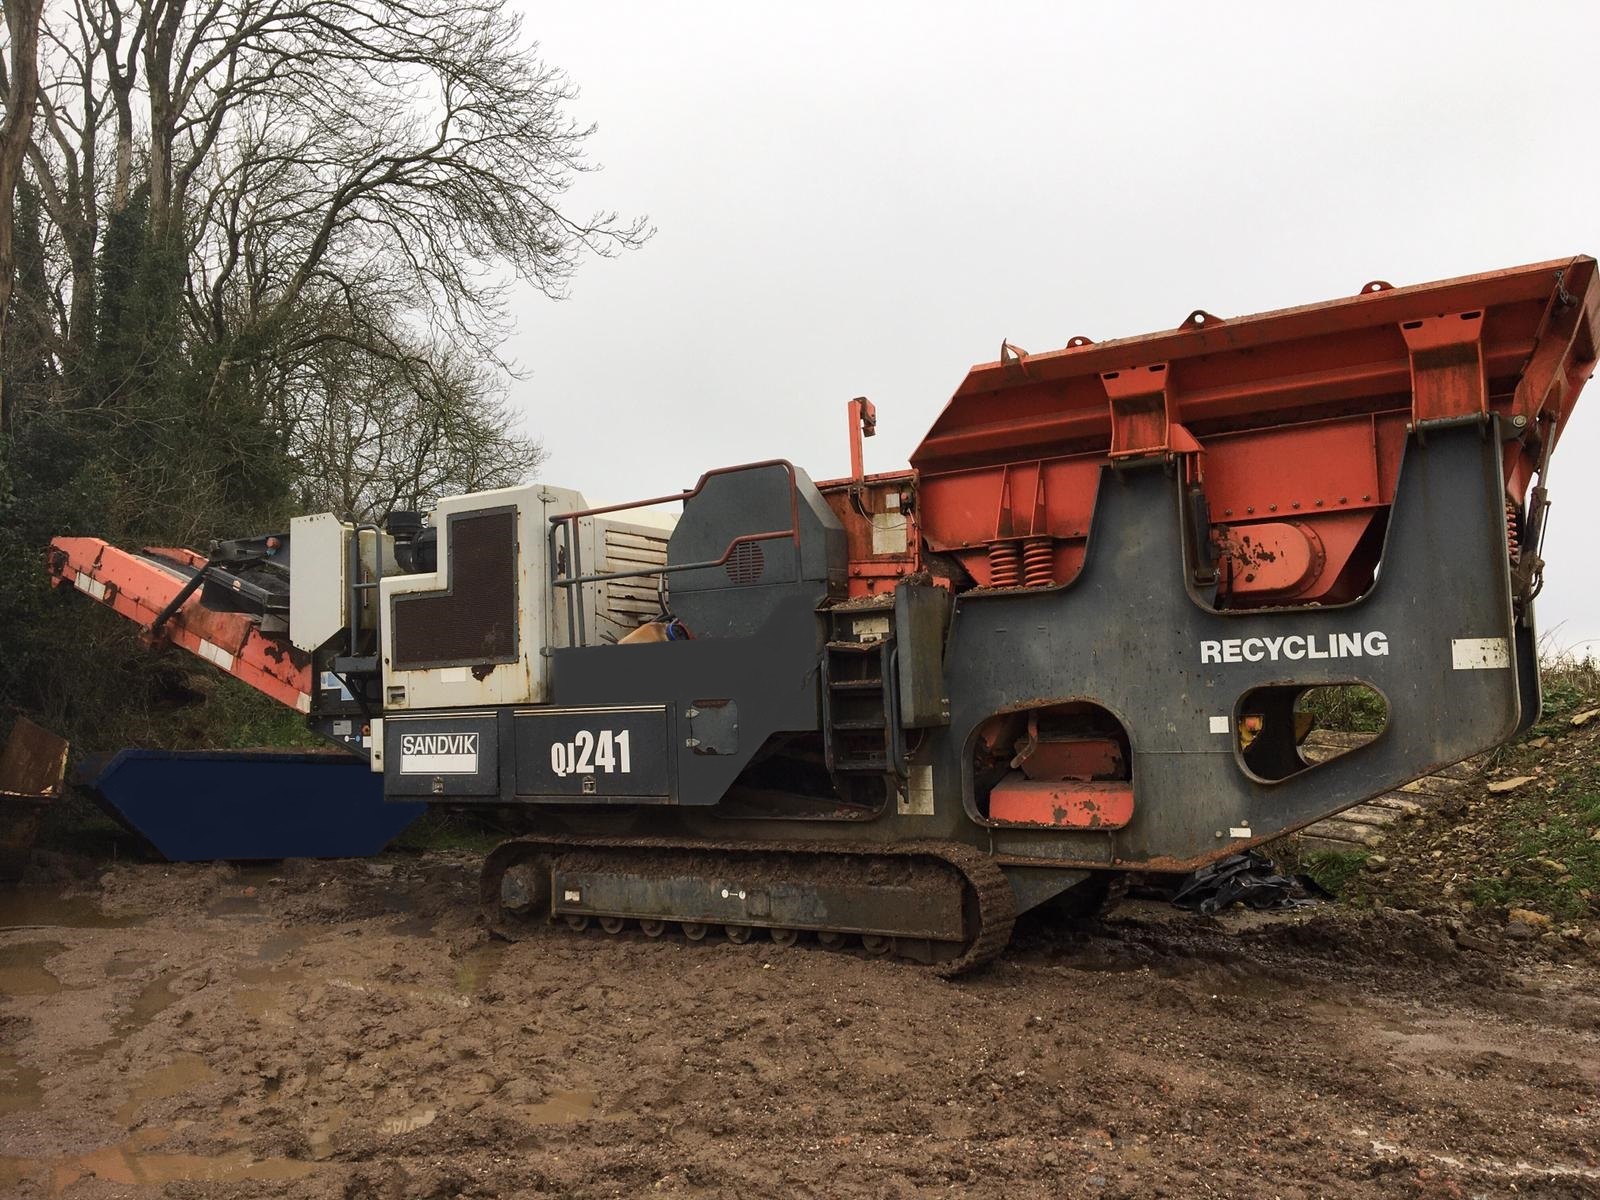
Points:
(22, 77)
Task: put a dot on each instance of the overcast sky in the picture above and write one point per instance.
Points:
(865, 198)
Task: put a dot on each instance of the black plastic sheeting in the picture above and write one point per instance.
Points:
(1251, 879)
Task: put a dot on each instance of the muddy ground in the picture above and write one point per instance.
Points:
(331, 1030)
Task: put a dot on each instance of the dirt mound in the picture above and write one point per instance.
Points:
(1514, 854)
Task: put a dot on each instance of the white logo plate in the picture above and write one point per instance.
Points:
(438, 754)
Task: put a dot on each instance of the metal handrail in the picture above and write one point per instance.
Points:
(794, 494)
(669, 570)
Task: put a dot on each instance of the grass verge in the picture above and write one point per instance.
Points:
(1533, 843)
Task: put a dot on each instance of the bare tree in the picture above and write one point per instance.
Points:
(285, 185)
(374, 434)
(423, 133)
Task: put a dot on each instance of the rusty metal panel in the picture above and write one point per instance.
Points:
(1073, 758)
(32, 768)
(1140, 410)
(1075, 804)
(1447, 375)
(921, 616)
(33, 763)
(1316, 467)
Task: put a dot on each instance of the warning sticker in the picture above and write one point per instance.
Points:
(1479, 654)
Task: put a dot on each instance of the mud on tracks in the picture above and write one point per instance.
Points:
(334, 1030)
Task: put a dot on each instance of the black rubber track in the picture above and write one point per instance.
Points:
(992, 899)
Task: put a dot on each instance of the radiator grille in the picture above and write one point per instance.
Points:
(747, 564)
(633, 600)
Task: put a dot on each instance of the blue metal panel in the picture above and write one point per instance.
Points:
(197, 806)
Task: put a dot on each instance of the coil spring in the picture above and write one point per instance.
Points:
(1005, 564)
(1514, 531)
(1039, 562)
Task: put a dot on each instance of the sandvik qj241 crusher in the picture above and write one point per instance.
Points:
(1073, 640)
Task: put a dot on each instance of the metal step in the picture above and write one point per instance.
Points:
(855, 685)
(872, 762)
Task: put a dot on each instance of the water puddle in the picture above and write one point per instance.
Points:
(477, 966)
(281, 945)
(243, 895)
(320, 1135)
(132, 1163)
(22, 970)
(150, 1000)
(45, 910)
(20, 1088)
(407, 1122)
(561, 1109)
(183, 1073)
(271, 976)
(265, 999)
(236, 906)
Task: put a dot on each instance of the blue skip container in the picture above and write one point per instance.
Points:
(201, 805)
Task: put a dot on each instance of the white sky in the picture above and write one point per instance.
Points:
(865, 198)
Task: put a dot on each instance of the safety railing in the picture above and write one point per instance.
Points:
(566, 554)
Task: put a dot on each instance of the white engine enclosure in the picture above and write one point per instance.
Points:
(610, 609)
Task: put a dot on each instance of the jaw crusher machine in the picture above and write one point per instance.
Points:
(1072, 641)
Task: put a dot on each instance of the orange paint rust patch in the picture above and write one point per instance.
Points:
(1067, 804)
